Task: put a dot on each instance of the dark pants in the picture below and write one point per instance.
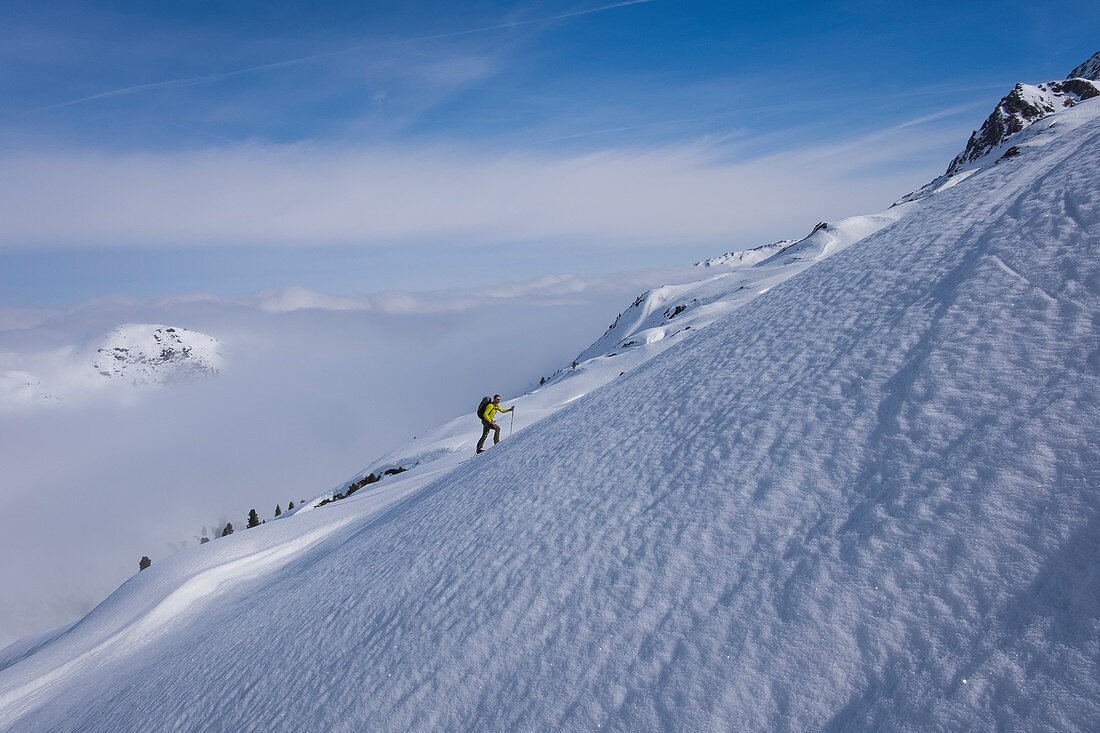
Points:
(486, 426)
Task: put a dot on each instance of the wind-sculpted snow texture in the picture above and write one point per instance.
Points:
(868, 498)
(663, 313)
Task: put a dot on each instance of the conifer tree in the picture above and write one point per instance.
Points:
(228, 529)
(278, 510)
(203, 540)
(253, 519)
(144, 563)
(290, 506)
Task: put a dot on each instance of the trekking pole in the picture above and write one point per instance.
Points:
(512, 423)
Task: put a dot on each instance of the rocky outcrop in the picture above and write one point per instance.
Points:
(1088, 70)
(1019, 108)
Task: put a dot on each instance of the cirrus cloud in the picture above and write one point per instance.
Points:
(304, 195)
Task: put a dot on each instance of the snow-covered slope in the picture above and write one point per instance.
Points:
(864, 497)
(655, 321)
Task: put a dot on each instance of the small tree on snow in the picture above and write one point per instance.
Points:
(228, 529)
(290, 506)
(278, 510)
(144, 563)
(253, 519)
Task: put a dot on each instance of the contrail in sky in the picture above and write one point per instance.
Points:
(196, 80)
(515, 23)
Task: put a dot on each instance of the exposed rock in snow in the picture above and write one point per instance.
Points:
(1017, 111)
(746, 257)
(150, 355)
(130, 355)
(1019, 108)
(1027, 103)
(1088, 70)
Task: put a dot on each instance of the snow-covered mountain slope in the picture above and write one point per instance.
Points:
(657, 320)
(130, 355)
(867, 497)
(671, 310)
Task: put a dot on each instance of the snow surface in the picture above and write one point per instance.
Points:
(861, 494)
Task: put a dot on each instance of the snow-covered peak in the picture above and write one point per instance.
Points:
(1090, 69)
(156, 355)
(1021, 107)
(132, 355)
(1012, 119)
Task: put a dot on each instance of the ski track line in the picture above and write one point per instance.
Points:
(1001, 264)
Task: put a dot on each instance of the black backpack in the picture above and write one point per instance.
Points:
(481, 408)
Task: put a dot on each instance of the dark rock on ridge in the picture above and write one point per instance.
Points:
(1088, 70)
(1018, 109)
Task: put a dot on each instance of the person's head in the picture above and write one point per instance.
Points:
(496, 398)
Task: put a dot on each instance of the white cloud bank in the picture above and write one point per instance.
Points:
(306, 194)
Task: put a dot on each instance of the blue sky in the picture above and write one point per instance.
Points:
(156, 148)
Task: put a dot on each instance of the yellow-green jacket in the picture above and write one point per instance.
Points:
(492, 409)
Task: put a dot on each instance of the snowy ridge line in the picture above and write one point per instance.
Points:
(745, 257)
(1021, 107)
(657, 320)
